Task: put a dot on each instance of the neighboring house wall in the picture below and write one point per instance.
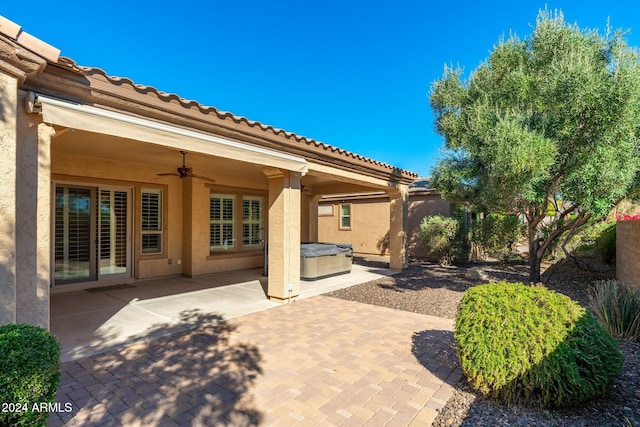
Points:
(628, 252)
(421, 206)
(369, 232)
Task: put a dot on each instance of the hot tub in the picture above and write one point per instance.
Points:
(319, 260)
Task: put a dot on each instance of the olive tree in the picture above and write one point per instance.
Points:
(547, 126)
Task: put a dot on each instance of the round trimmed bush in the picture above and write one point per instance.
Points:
(29, 373)
(530, 345)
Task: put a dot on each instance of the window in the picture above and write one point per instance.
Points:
(345, 216)
(325, 210)
(252, 222)
(151, 221)
(222, 218)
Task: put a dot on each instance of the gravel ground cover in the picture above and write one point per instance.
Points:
(429, 288)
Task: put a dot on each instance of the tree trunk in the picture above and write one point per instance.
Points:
(534, 258)
(534, 268)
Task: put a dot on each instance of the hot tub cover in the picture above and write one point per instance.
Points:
(312, 250)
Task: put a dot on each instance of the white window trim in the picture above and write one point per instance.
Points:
(342, 216)
(259, 222)
(160, 230)
(233, 243)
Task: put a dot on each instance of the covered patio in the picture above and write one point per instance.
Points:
(110, 182)
(95, 320)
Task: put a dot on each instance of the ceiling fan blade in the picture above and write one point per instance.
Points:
(168, 174)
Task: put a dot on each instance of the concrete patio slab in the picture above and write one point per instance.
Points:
(92, 321)
(318, 361)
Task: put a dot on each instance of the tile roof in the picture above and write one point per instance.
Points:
(70, 64)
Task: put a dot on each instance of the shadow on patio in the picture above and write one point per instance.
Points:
(200, 376)
(92, 321)
(96, 320)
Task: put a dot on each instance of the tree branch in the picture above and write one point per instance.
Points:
(580, 220)
(569, 209)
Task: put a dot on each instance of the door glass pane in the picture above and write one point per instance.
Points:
(113, 232)
(72, 234)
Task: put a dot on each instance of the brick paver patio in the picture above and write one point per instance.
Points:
(319, 361)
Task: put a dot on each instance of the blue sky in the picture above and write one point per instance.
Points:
(353, 74)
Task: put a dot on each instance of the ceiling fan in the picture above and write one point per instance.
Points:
(185, 172)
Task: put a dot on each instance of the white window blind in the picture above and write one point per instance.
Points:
(151, 221)
(251, 221)
(113, 227)
(222, 222)
(73, 242)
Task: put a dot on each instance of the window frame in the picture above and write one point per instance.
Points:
(342, 216)
(240, 194)
(160, 230)
(222, 222)
(251, 222)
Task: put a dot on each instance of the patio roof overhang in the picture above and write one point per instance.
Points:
(88, 118)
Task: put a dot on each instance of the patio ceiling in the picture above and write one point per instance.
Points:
(165, 159)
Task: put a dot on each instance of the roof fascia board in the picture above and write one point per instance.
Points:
(93, 119)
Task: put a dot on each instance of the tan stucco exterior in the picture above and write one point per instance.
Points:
(370, 231)
(69, 127)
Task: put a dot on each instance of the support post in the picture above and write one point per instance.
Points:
(284, 234)
(399, 208)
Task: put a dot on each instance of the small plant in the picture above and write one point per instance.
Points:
(530, 345)
(617, 307)
(29, 373)
(439, 234)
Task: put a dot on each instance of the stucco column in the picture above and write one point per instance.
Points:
(313, 218)
(33, 219)
(8, 202)
(399, 208)
(195, 228)
(284, 234)
(188, 250)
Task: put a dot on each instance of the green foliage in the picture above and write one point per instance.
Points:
(551, 117)
(596, 238)
(617, 307)
(605, 244)
(29, 372)
(439, 234)
(524, 344)
(497, 233)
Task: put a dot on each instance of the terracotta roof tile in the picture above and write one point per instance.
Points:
(82, 70)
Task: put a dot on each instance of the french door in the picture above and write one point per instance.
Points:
(92, 233)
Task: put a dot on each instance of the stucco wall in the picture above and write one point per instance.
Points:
(420, 207)
(369, 232)
(628, 252)
(8, 144)
(186, 207)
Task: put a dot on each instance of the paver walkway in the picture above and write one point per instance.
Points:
(319, 361)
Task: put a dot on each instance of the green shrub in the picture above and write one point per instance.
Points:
(617, 307)
(439, 234)
(29, 372)
(530, 345)
(605, 244)
(497, 233)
